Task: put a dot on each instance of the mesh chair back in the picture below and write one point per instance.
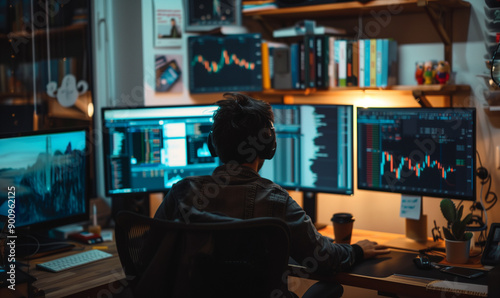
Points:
(241, 258)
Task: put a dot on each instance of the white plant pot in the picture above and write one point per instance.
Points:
(457, 252)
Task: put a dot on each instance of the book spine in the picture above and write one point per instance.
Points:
(271, 64)
(342, 63)
(361, 63)
(294, 65)
(392, 76)
(379, 65)
(385, 62)
(373, 62)
(332, 64)
(310, 63)
(349, 65)
(355, 63)
(320, 80)
(367, 63)
(266, 76)
(302, 66)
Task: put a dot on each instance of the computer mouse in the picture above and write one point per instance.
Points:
(423, 262)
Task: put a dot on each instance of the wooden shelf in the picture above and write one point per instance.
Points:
(53, 32)
(355, 8)
(426, 89)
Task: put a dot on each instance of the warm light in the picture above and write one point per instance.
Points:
(90, 109)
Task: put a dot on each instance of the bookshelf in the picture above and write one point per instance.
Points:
(440, 13)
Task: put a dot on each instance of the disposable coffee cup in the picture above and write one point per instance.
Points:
(342, 227)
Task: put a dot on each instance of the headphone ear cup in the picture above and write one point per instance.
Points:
(270, 149)
(211, 146)
(482, 173)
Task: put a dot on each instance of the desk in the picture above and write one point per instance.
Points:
(106, 277)
(397, 284)
(99, 279)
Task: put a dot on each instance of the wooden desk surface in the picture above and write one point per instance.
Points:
(401, 285)
(104, 277)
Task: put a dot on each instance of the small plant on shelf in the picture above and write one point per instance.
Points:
(456, 225)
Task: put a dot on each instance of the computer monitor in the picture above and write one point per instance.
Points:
(45, 173)
(206, 15)
(314, 148)
(225, 63)
(418, 151)
(148, 149)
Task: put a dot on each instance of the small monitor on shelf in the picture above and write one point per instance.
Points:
(207, 15)
(46, 174)
(148, 149)
(225, 63)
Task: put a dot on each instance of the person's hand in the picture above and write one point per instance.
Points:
(372, 249)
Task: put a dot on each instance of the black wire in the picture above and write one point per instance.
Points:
(493, 58)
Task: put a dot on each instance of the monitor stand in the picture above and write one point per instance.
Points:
(32, 245)
(311, 208)
(415, 234)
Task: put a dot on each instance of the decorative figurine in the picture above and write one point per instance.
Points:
(419, 73)
(429, 73)
(443, 72)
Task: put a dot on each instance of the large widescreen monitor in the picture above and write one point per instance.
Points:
(225, 63)
(44, 178)
(148, 149)
(418, 151)
(314, 148)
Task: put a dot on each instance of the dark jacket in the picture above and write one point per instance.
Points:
(234, 191)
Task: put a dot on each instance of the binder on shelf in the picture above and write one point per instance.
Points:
(367, 63)
(361, 63)
(310, 61)
(341, 45)
(332, 63)
(266, 76)
(294, 65)
(373, 62)
(282, 71)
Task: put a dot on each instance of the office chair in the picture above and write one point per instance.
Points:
(240, 258)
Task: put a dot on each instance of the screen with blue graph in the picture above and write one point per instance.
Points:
(225, 63)
(314, 148)
(418, 151)
(148, 149)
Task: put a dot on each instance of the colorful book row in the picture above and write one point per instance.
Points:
(325, 61)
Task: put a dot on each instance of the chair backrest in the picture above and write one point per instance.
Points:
(241, 258)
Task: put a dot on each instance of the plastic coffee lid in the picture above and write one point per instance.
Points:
(342, 218)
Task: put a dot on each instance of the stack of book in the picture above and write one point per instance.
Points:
(327, 61)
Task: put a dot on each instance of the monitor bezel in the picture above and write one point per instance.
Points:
(326, 190)
(191, 26)
(422, 193)
(75, 218)
(105, 147)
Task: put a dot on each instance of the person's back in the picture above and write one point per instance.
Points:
(243, 137)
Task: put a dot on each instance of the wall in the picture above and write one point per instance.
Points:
(418, 42)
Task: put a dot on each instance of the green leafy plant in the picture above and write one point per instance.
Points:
(456, 225)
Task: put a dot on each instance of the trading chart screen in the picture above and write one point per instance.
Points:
(225, 63)
(314, 148)
(421, 151)
(149, 149)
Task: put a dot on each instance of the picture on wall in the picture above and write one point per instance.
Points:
(168, 24)
(168, 73)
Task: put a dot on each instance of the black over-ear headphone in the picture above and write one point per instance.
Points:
(267, 153)
(482, 173)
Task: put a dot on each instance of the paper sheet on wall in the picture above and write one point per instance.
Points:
(411, 207)
(168, 23)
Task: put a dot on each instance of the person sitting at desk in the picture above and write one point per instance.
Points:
(243, 136)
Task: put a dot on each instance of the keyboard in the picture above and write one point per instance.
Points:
(75, 260)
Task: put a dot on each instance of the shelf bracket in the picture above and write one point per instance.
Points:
(421, 98)
(442, 22)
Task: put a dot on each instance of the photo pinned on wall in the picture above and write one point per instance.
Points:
(168, 23)
(168, 73)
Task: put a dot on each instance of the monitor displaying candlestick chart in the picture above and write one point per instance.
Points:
(225, 63)
(419, 151)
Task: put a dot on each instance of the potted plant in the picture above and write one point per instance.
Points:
(457, 240)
